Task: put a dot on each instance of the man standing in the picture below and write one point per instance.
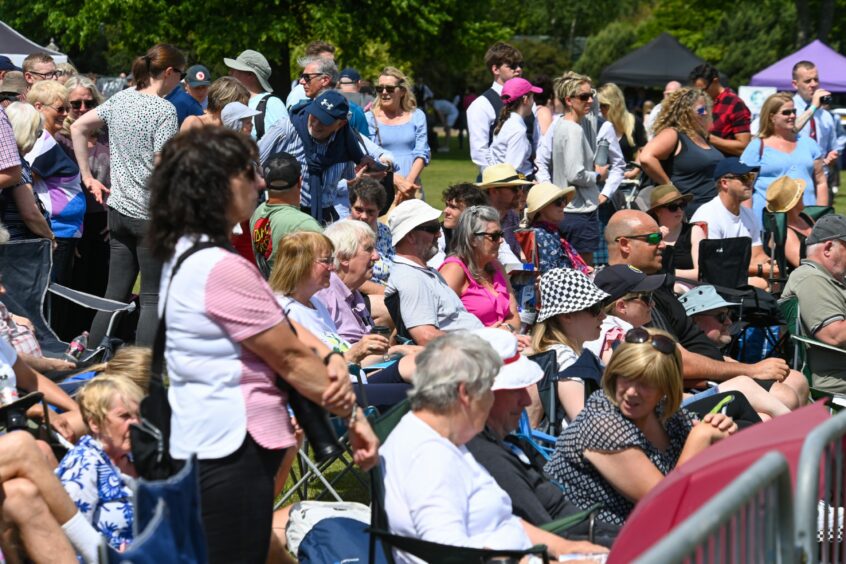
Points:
(6, 65)
(505, 62)
(319, 75)
(315, 49)
(649, 123)
(39, 66)
(349, 84)
(185, 104)
(253, 71)
(813, 120)
(197, 83)
(731, 118)
(819, 286)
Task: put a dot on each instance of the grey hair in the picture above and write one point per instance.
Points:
(347, 235)
(448, 361)
(464, 242)
(324, 66)
(81, 81)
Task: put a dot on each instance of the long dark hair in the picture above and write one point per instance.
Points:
(505, 112)
(154, 62)
(189, 189)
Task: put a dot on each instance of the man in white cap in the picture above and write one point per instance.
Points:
(253, 71)
(429, 307)
(534, 497)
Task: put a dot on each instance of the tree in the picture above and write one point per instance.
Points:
(614, 41)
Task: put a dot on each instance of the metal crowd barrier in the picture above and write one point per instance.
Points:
(820, 507)
(750, 521)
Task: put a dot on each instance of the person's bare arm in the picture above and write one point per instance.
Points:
(629, 471)
(759, 257)
(732, 147)
(557, 545)
(454, 277)
(422, 334)
(821, 183)
(371, 288)
(833, 334)
(10, 176)
(81, 130)
(805, 116)
(698, 368)
(712, 428)
(792, 249)
(697, 234)
(657, 150)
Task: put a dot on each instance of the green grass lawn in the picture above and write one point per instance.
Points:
(446, 169)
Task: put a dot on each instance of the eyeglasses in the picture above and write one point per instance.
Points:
(560, 202)
(61, 110)
(702, 111)
(746, 178)
(649, 238)
(328, 262)
(45, 75)
(722, 317)
(675, 206)
(494, 237)
(584, 97)
(309, 76)
(428, 228)
(77, 104)
(646, 298)
(514, 65)
(661, 343)
(386, 88)
(594, 310)
(788, 113)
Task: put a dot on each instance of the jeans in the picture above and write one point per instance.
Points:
(129, 254)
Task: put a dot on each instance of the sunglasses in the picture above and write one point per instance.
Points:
(649, 238)
(61, 110)
(494, 237)
(745, 178)
(594, 310)
(662, 344)
(309, 76)
(646, 298)
(586, 96)
(8, 97)
(702, 111)
(431, 228)
(788, 113)
(560, 202)
(77, 104)
(385, 88)
(722, 317)
(676, 206)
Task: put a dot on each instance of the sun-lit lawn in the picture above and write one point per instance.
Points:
(446, 169)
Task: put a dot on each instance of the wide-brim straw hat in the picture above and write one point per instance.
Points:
(543, 194)
(664, 194)
(784, 193)
(499, 175)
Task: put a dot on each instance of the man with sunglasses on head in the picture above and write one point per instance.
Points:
(727, 218)
(427, 305)
(39, 66)
(634, 238)
(729, 130)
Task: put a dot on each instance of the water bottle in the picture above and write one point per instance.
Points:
(78, 346)
(8, 386)
(601, 158)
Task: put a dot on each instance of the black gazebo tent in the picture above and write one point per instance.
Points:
(17, 47)
(661, 60)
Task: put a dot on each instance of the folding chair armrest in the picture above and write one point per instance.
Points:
(561, 525)
(435, 552)
(90, 301)
(815, 343)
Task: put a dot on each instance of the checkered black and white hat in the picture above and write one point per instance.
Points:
(564, 290)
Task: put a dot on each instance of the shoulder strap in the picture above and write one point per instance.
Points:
(259, 119)
(491, 96)
(157, 363)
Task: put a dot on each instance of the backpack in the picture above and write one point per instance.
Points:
(259, 119)
(339, 539)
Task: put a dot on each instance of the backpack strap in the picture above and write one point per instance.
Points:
(496, 102)
(259, 119)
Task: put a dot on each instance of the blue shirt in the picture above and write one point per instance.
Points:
(184, 103)
(823, 123)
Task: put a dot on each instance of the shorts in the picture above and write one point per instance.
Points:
(581, 230)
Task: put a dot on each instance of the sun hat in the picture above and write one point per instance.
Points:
(281, 171)
(408, 215)
(13, 83)
(517, 88)
(784, 192)
(234, 112)
(664, 194)
(198, 75)
(564, 290)
(620, 279)
(254, 62)
(503, 174)
(541, 195)
(702, 299)
(517, 371)
(732, 165)
(329, 107)
(827, 228)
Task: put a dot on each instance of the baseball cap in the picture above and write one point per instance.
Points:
(703, 298)
(620, 279)
(198, 75)
(350, 73)
(732, 165)
(827, 228)
(6, 64)
(234, 112)
(329, 107)
(408, 215)
(517, 371)
(281, 171)
(517, 88)
(254, 62)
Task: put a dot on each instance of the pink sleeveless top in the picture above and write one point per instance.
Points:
(478, 300)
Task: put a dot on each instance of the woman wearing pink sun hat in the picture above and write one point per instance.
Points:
(510, 143)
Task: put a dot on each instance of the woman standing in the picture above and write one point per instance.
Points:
(572, 165)
(139, 122)
(510, 144)
(629, 128)
(399, 126)
(780, 152)
(680, 154)
(228, 341)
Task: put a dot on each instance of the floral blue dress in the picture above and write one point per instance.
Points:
(99, 490)
(385, 247)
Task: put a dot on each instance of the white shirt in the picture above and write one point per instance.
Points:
(436, 491)
(722, 224)
(615, 159)
(543, 156)
(649, 122)
(512, 146)
(480, 118)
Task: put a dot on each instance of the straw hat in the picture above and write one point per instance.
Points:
(784, 192)
(499, 175)
(664, 194)
(541, 195)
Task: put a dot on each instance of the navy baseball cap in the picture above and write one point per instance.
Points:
(620, 279)
(329, 107)
(732, 165)
(198, 75)
(6, 64)
(351, 74)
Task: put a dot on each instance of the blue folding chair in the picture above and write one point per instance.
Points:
(154, 545)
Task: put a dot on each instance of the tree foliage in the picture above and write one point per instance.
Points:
(614, 41)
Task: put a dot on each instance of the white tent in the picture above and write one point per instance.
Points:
(17, 47)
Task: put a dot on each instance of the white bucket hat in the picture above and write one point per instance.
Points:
(409, 215)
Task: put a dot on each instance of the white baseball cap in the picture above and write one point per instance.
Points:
(517, 371)
(408, 215)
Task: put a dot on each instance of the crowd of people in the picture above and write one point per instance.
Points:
(288, 249)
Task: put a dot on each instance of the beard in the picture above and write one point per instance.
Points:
(430, 252)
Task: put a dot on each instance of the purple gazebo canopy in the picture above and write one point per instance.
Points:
(831, 64)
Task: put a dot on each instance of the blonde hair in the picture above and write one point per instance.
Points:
(408, 103)
(567, 86)
(622, 120)
(295, 259)
(74, 82)
(97, 397)
(225, 90)
(46, 92)
(766, 127)
(642, 361)
(550, 332)
(67, 70)
(132, 363)
(677, 112)
(27, 125)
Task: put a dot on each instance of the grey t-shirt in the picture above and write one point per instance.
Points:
(139, 126)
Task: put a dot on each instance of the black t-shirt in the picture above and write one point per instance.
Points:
(669, 315)
(639, 138)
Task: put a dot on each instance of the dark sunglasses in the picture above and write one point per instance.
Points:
(515, 64)
(639, 336)
(722, 317)
(649, 238)
(47, 75)
(676, 206)
(744, 178)
(77, 104)
(309, 76)
(385, 88)
(494, 237)
(646, 298)
(586, 96)
(429, 228)
(561, 202)
(788, 113)
(595, 309)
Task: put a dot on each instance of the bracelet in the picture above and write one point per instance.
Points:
(328, 357)
(353, 416)
(813, 108)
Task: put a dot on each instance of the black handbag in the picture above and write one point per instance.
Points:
(151, 435)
